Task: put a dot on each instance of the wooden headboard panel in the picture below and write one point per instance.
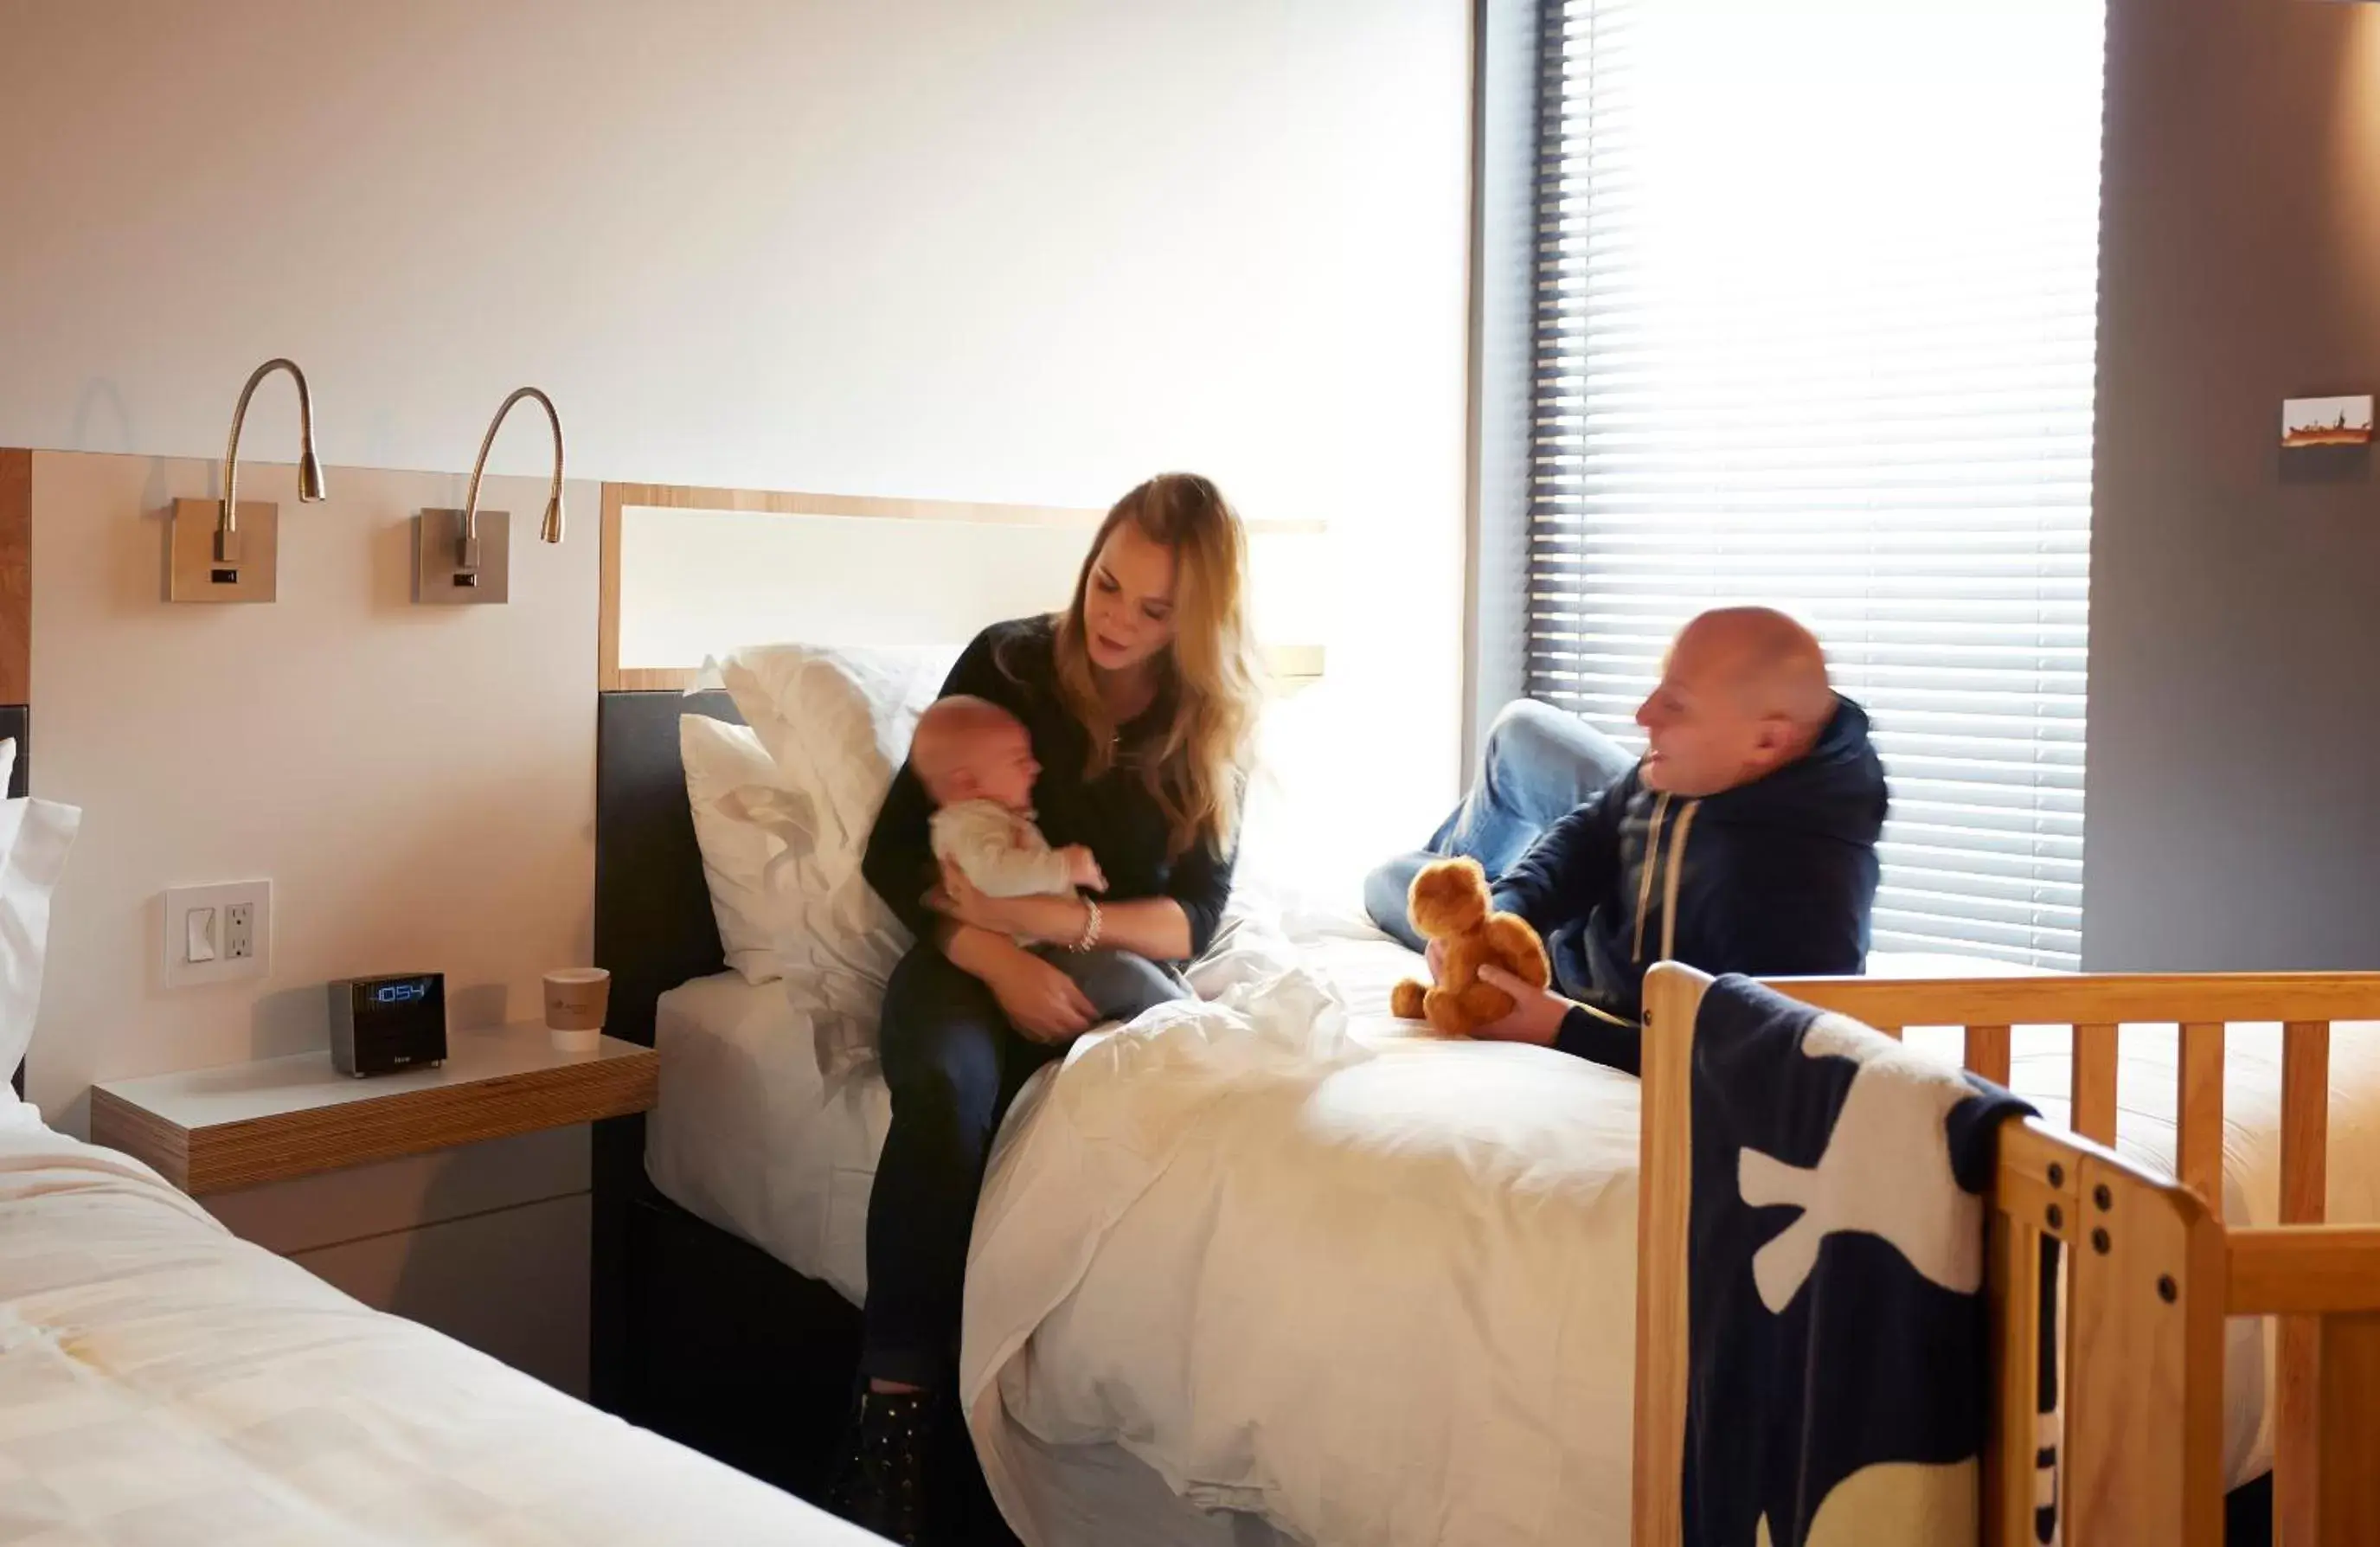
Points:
(16, 577)
(691, 572)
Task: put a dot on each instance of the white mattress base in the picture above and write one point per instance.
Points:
(748, 1137)
(1103, 1496)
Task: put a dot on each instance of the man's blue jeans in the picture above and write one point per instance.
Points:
(1540, 763)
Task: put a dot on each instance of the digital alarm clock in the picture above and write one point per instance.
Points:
(381, 1025)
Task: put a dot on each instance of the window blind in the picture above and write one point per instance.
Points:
(1816, 305)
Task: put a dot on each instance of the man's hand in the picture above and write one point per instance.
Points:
(1536, 1016)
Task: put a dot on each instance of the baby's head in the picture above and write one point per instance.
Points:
(969, 749)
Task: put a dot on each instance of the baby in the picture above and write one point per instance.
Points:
(976, 762)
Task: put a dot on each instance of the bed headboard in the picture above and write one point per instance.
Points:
(17, 627)
(690, 572)
(17, 724)
(17, 721)
(653, 924)
(693, 572)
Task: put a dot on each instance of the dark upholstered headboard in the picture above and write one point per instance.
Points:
(653, 923)
(17, 721)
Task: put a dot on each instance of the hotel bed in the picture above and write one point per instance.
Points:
(164, 1382)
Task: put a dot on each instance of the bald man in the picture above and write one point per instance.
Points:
(1743, 840)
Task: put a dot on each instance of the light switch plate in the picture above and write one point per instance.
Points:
(200, 940)
(254, 928)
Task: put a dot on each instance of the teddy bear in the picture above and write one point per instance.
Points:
(1450, 902)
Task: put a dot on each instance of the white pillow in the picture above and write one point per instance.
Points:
(721, 758)
(836, 722)
(35, 838)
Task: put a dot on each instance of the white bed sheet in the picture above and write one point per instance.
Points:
(164, 1382)
(747, 1134)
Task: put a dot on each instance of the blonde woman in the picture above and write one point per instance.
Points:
(1141, 702)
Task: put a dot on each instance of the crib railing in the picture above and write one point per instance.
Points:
(2150, 1270)
(2314, 1349)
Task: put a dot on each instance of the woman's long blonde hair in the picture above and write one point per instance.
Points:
(1195, 767)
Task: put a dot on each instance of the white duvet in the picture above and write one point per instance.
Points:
(1378, 1289)
(165, 1385)
(1378, 1294)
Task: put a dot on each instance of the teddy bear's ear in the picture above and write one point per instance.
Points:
(1449, 897)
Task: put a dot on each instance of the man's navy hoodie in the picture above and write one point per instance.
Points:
(1775, 878)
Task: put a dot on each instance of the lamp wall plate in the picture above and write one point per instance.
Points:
(438, 580)
(192, 573)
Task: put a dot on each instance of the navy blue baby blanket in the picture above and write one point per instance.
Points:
(1840, 1358)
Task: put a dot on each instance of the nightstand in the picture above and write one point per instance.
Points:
(457, 1197)
(211, 1130)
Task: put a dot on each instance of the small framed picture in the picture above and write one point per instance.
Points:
(2311, 422)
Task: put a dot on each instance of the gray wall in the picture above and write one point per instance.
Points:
(1503, 293)
(2234, 793)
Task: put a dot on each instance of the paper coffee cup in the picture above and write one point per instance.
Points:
(575, 998)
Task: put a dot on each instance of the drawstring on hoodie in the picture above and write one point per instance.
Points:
(1676, 868)
(1669, 883)
(1645, 891)
(1645, 882)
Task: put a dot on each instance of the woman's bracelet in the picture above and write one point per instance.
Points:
(1090, 935)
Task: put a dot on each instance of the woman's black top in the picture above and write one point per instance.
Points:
(1015, 665)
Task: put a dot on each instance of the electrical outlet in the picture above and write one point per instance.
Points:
(214, 934)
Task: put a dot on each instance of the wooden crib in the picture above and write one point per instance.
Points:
(2150, 1270)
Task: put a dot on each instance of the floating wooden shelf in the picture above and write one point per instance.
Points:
(211, 1130)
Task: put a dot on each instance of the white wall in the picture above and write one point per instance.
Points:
(418, 783)
(1024, 251)
(1019, 251)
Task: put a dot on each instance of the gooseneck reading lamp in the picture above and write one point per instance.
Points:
(230, 566)
(464, 555)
